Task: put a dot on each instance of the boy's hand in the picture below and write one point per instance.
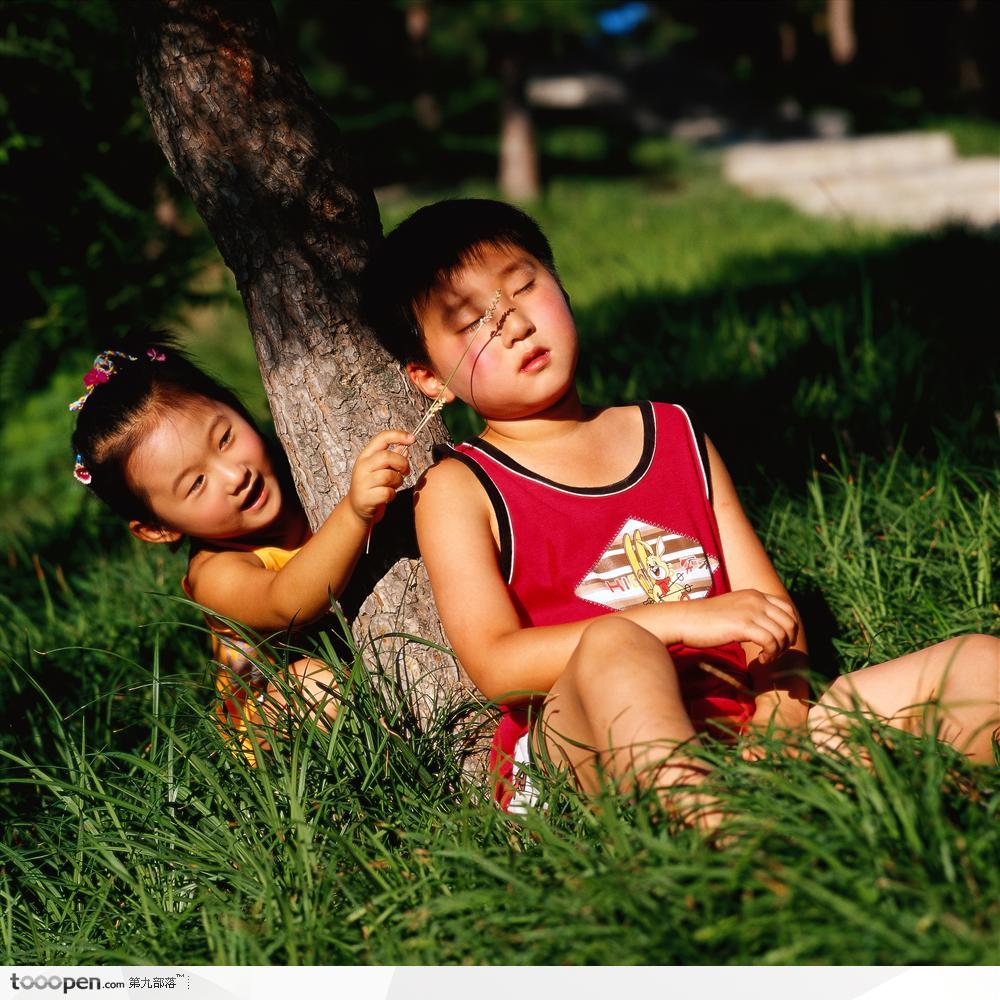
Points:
(378, 473)
(742, 616)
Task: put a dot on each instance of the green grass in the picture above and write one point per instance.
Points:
(837, 369)
(972, 136)
(137, 838)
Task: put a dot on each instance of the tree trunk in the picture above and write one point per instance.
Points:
(840, 30)
(269, 173)
(970, 76)
(518, 177)
(426, 108)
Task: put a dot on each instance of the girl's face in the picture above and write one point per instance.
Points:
(522, 359)
(205, 472)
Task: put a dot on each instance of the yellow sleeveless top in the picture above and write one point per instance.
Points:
(238, 675)
(274, 558)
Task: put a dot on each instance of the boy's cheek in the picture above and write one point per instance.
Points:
(478, 373)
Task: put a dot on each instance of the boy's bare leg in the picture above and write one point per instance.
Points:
(960, 677)
(617, 709)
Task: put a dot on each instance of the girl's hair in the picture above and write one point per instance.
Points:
(147, 377)
(429, 246)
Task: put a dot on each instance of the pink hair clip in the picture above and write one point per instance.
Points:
(154, 355)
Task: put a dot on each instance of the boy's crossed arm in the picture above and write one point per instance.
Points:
(507, 660)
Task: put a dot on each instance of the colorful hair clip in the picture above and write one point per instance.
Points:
(154, 355)
(80, 472)
(104, 367)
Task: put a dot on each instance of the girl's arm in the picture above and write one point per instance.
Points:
(780, 685)
(236, 585)
(508, 660)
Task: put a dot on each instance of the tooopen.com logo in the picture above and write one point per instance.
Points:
(65, 984)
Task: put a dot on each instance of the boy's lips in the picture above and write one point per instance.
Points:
(256, 495)
(535, 359)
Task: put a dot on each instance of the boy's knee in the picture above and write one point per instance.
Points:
(967, 665)
(838, 697)
(611, 634)
(610, 644)
(978, 645)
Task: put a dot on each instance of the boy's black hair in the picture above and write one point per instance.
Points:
(429, 247)
(118, 413)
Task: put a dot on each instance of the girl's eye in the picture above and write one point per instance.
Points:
(472, 326)
(526, 288)
(197, 484)
(226, 438)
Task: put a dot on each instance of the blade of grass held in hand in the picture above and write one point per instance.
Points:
(438, 403)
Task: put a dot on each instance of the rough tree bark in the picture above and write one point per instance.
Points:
(269, 173)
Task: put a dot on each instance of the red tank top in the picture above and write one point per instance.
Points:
(571, 553)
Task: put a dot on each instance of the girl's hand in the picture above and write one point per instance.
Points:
(742, 616)
(378, 473)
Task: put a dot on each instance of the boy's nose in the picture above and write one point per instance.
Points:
(514, 326)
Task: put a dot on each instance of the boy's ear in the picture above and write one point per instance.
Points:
(427, 381)
(154, 532)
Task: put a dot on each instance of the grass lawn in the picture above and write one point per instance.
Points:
(840, 372)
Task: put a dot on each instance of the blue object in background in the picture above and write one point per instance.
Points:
(621, 20)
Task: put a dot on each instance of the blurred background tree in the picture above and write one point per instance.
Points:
(432, 92)
(99, 239)
(445, 82)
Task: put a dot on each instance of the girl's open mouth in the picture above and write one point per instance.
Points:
(256, 495)
(536, 360)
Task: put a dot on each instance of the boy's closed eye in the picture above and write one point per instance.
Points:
(486, 316)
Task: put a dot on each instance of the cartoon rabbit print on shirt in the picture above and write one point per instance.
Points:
(651, 568)
(645, 563)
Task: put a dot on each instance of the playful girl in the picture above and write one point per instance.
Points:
(596, 563)
(176, 454)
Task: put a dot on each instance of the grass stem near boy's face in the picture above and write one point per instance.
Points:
(206, 473)
(440, 399)
(527, 362)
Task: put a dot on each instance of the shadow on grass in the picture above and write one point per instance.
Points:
(787, 356)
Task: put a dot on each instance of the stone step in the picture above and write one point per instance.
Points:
(751, 163)
(966, 191)
(911, 180)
